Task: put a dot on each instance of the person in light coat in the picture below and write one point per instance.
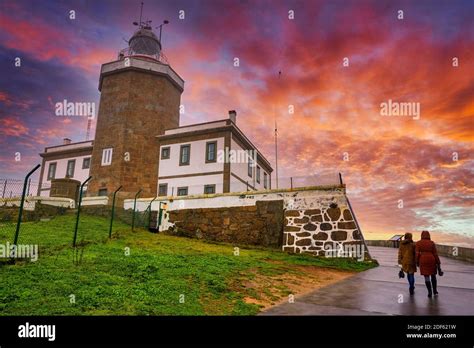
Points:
(406, 260)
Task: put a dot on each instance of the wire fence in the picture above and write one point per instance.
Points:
(29, 227)
(11, 188)
(63, 223)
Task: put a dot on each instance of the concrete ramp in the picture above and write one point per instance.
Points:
(379, 291)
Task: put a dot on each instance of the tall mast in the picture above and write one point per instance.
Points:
(141, 11)
(276, 140)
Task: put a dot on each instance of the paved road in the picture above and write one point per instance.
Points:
(377, 292)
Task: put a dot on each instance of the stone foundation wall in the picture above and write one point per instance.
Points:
(329, 228)
(40, 211)
(259, 224)
(316, 219)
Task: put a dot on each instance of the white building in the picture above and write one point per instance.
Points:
(70, 160)
(192, 161)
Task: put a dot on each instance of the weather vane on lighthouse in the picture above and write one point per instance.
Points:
(144, 41)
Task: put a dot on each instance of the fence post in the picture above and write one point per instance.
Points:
(4, 188)
(134, 207)
(291, 182)
(247, 185)
(149, 212)
(79, 212)
(113, 211)
(20, 213)
(340, 179)
(160, 215)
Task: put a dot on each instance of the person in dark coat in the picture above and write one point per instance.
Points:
(406, 260)
(428, 261)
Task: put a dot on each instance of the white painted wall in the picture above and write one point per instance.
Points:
(61, 166)
(296, 199)
(241, 170)
(197, 164)
(303, 199)
(195, 184)
(236, 185)
(30, 202)
(96, 200)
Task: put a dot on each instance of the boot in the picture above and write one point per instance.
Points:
(412, 290)
(434, 281)
(428, 286)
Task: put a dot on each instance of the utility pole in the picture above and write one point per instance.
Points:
(276, 138)
(276, 153)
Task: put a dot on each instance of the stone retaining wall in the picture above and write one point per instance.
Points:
(317, 220)
(260, 224)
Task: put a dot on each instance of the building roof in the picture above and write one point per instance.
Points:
(68, 149)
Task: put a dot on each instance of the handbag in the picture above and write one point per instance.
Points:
(401, 274)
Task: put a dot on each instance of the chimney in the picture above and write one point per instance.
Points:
(233, 116)
(66, 141)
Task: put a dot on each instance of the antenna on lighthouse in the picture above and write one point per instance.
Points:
(141, 11)
(140, 23)
(161, 27)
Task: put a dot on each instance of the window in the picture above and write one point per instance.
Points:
(209, 189)
(258, 174)
(265, 180)
(250, 168)
(52, 171)
(184, 154)
(86, 163)
(211, 148)
(165, 152)
(182, 191)
(103, 192)
(71, 164)
(163, 190)
(107, 156)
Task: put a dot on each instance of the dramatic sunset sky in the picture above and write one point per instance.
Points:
(337, 108)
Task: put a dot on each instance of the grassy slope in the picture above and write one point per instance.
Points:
(149, 281)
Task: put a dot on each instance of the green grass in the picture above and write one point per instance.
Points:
(150, 281)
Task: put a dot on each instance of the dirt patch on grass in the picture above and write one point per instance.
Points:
(267, 290)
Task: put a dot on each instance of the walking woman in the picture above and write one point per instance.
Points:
(428, 261)
(406, 260)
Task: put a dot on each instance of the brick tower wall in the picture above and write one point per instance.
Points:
(135, 107)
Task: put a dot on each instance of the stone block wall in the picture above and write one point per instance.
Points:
(259, 224)
(316, 220)
(136, 105)
(10, 214)
(316, 231)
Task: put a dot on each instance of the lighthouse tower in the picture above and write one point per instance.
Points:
(140, 99)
